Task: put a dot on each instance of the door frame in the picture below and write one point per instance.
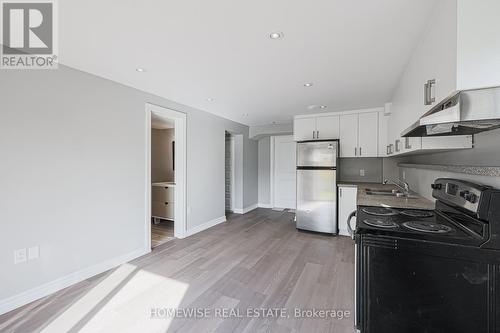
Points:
(272, 167)
(180, 119)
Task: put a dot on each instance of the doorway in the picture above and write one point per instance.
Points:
(165, 175)
(283, 173)
(229, 181)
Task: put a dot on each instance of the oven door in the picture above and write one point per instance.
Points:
(405, 289)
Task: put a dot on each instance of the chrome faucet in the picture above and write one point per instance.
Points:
(400, 184)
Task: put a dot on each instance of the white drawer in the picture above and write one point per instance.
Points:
(163, 194)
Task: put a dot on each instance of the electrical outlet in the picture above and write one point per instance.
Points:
(362, 172)
(20, 256)
(33, 252)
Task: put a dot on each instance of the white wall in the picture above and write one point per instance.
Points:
(265, 171)
(73, 172)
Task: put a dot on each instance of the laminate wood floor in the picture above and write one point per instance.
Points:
(161, 232)
(257, 262)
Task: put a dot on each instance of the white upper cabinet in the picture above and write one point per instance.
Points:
(304, 129)
(316, 128)
(349, 135)
(478, 44)
(459, 50)
(327, 127)
(357, 131)
(359, 135)
(368, 134)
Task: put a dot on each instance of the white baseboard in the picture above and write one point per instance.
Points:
(205, 225)
(33, 294)
(261, 205)
(245, 210)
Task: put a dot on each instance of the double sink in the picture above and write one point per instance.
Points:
(390, 193)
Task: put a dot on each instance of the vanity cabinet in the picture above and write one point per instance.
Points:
(162, 201)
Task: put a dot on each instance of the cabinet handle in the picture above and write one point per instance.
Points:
(166, 203)
(428, 98)
(317, 134)
(388, 150)
(340, 191)
(355, 151)
(397, 145)
(314, 134)
(360, 151)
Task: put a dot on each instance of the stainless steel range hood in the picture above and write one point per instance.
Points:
(462, 113)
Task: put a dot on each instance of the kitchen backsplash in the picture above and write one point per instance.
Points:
(367, 169)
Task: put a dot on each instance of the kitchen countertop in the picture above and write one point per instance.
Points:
(415, 202)
(162, 184)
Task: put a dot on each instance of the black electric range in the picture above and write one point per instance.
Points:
(430, 270)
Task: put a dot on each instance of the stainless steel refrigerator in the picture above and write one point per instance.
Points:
(317, 186)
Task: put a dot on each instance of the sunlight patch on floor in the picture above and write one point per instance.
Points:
(129, 309)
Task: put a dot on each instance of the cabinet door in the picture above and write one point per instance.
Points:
(368, 135)
(347, 204)
(328, 127)
(304, 129)
(349, 135)
(383, 133)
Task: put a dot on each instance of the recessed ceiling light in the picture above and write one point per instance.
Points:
(308, 84)
(245, 114)
(140, 70)
(322, 106)
(276, 35)
(210, 99)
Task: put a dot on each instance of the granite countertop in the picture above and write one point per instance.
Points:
(162, 184)
(414, 202)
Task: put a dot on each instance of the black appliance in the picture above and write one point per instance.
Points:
(430, 271)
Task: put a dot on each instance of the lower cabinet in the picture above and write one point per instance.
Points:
(162, 202)
(347, 205)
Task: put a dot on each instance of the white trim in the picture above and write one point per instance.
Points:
(51, 287)
(261, 205)
(246, 209)
(180, 224)
(233, 177)
(205, 226)
(309, 115)
(271, 171)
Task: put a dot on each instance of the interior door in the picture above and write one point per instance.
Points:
(348, 135)
(303, 129)
(284, 172)
(368, 135)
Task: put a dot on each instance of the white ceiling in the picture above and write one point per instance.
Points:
(354, 51)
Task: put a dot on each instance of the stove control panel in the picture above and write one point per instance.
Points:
(458, 193)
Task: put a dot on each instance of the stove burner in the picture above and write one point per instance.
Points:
(380, 211)
(417, 213)
(380, 223)
(425, 226)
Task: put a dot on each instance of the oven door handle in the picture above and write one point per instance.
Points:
(349, 227)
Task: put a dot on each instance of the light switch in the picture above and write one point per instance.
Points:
(33, 253)
(362, 172)
(20, 256)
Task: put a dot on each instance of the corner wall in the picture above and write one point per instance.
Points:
(73, 174)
